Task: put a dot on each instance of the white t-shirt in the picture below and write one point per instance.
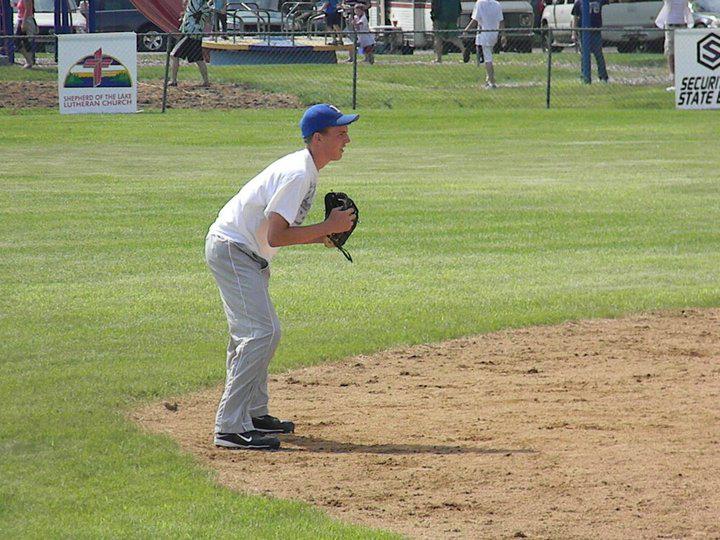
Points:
(286, 187)
(365, 38)
(674, 12)
(488, 14)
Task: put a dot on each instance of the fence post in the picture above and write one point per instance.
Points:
(170, 42)
(354, 86)
(549, 67)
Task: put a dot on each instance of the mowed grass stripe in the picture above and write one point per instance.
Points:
(471, 221)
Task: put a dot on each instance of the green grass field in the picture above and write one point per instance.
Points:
(402, 82)
(472, 221)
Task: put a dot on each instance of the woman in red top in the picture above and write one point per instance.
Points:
(27, 27)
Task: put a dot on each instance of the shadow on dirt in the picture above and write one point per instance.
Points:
(326, 446)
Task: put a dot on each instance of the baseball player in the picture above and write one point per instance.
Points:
(267, 213)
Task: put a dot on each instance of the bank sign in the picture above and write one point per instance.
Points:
(697, 69)
(97, 73)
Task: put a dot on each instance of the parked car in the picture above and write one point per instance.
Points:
(122, 16)
(706, 13)
(45, 19)
(517, 14)
(628, 24)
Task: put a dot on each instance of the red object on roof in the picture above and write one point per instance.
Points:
(166, 14)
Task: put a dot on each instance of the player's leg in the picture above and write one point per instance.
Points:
(254, 333)
(261, 398)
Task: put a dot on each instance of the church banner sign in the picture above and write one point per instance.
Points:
(97, 73)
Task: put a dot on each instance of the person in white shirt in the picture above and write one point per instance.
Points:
(366, 41)
(674, 14)
(488, 17)
(264, 215)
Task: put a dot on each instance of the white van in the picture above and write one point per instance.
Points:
(628, 25)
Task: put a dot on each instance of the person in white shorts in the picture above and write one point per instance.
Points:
(267, 213)
(488, 17)
(674, 14)
(366, 40)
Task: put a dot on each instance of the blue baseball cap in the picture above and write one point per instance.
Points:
(321, 116)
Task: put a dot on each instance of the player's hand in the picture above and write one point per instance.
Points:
(341, 220)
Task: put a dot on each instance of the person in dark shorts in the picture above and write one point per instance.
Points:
(444, 15)
(197, 13)
(333, 19)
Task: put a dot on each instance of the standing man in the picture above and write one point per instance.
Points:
(487, 15)
(267, 213)
(197, 13)
(674, 14)
(444, 15)
(595, 38)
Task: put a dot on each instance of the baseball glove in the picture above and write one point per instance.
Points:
(340, 200)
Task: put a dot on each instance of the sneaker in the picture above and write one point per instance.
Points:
(252, 440)
(270, 424)
(670, 89)
(490, 85)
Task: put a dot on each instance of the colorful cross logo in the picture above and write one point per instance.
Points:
(97, 62)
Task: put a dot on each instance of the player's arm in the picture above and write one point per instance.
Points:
(280, 233)
(470, 25)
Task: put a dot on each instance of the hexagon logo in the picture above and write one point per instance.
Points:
(708, 51)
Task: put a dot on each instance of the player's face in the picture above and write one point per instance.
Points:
(334, 140)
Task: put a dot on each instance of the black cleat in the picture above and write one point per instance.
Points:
(252, 440)
(270, 424)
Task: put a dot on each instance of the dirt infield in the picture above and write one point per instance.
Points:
(188, 95)
(595, 429)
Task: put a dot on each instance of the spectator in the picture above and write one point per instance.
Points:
(674, 14)
(444, 15)
(487, 15)
(366, 40)
(333, 19)
(84, 9)
(220, 19)
(594, 41)
(197, 13)
(26, 29)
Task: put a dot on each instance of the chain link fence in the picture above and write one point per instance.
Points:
(293, 69)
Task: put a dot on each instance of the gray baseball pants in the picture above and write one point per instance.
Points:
(243, 278)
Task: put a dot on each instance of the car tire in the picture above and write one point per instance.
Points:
(525, 46)
(544, 38)
(627, 47)
(151, 39)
